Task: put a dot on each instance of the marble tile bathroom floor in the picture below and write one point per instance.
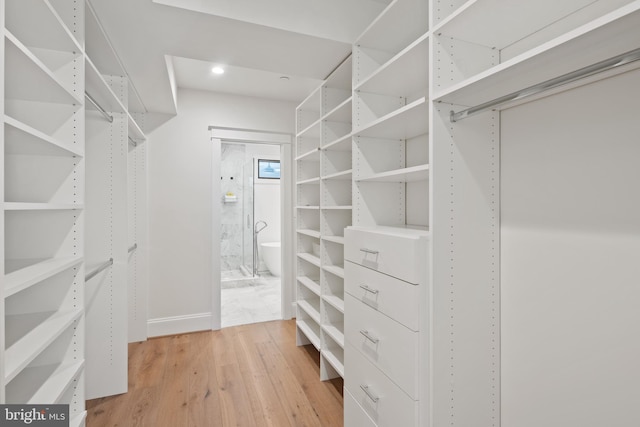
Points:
(250, 300)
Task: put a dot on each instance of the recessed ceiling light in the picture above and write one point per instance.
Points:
(217, 70)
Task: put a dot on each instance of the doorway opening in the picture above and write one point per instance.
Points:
(252, 238)
(250, 233)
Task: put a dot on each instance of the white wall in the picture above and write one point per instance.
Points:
(266, 194)
(181, 200)
(570, 239)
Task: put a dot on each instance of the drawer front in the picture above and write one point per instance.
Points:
(395, 298)
(390, 346)
(354, 415)
(383, 401)
(398, 256)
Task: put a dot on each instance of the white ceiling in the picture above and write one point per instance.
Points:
(162, 44)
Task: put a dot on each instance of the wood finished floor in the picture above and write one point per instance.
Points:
(249, 375)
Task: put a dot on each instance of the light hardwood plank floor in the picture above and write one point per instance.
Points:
(245, 376)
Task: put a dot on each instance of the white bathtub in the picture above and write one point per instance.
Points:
(271, 256)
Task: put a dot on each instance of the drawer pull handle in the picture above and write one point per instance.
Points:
(369, 337)
(370, 395)
(368, 289)
(369, 251)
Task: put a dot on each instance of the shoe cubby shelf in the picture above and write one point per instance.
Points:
(324, 179)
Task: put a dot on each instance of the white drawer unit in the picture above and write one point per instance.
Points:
(390, 346)
(395, 298)
(354, 415)
(386, 326)
(379, 397)
(394, 251)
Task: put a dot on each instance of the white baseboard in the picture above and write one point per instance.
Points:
(179, 324)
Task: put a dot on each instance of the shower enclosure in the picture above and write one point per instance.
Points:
(239, 230)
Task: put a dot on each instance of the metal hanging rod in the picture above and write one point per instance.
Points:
(102, 110)
(133, 248)
(102, 267)
(599, 67)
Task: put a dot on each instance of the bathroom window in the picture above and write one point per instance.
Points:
(268, 169)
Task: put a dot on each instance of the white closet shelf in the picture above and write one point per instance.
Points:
(411, 174)
(614, 33)
(334, 361)
(311, 104)
(335, 301)
(310, 207)
(336, 270)
(29, 79)
(26, 348)
(335, 239)
(46, 383)
(135, 131)
(406, 232)
(335, 332)
(309, 232)
(36, 23)
(311, 131)
(312, 284)
(21, 138)
(469, 21)
(341, 144)
(339, 176)
(341, 113)
(98, 88)
(310, 310)
(310, 258)
(312, 181)
(337, 208)
(394, 16)
(405, 122)
(98, 48)
(20, 206)
(307, 330)
(311, 155)
(405, 74)
(341, 77)
(21, 279)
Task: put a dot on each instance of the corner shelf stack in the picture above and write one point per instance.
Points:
(42, 351)
(323, 210)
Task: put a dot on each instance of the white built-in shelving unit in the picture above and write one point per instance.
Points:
(390, 119)
(488, 133)
(530, 274)
(115, 205)
(323, 210)
(66, 125)
(43, 335)
(386, 248)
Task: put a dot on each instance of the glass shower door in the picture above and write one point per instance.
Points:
(248, 218)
